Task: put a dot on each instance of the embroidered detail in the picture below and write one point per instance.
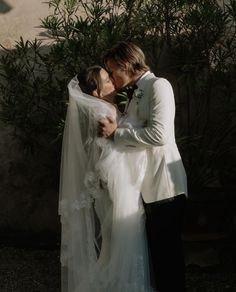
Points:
(92, 183)
(66, 207)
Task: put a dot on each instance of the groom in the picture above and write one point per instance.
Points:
(164, 189)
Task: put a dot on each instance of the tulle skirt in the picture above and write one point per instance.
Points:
(108, 252)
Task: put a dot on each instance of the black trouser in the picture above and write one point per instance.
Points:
(164, 226)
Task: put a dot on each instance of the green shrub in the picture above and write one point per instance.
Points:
(192, 43)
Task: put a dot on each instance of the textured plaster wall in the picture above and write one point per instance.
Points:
(20, 18)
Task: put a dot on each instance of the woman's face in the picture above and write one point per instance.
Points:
(107, 89)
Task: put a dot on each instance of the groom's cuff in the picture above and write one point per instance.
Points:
(120, 138)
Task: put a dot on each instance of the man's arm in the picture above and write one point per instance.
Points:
(160, 123)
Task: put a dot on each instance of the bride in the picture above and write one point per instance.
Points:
(103, 242)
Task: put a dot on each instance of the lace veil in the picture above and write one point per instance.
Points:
(75, 197)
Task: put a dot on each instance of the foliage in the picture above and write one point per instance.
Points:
(31, 95)
(205, 58)
(192, 43)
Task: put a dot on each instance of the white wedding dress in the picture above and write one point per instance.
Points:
(103, 243)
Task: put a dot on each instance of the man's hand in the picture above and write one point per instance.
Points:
(106, 127)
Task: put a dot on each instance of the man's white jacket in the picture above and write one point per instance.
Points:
(165, 175)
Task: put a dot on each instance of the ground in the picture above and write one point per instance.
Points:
(37, 268)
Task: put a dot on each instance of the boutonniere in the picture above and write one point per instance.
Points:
(138, 93)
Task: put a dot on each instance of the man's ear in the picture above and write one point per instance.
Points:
(95, 93)
(125, 66)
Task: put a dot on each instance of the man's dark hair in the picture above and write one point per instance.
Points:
(127, 53)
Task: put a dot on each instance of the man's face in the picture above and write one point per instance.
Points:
(118, 74)
(107, 87)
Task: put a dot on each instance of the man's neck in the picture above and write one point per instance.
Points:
(137, 77)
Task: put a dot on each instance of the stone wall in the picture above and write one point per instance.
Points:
(28, 196)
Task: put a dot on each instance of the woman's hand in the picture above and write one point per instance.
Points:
(107, 127)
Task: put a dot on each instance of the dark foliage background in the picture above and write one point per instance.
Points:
(192, 43)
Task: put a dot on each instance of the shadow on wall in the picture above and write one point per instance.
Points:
(4, 7)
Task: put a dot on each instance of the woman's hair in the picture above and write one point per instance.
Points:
(127, 53)
(93, 79)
